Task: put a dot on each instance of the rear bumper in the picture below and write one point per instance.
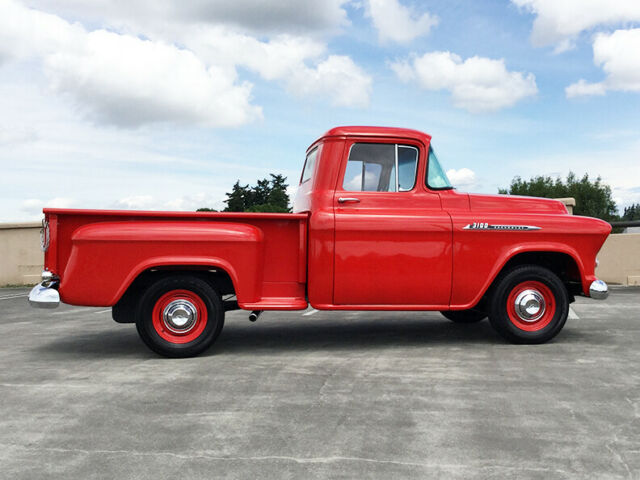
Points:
(44, 297)
(598, 290)
(45, 294)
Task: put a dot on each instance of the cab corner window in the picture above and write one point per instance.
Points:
(380, 167)
(309, 165)
(436, 177)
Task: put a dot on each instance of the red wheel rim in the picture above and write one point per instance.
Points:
(179, 316)
(523, 303)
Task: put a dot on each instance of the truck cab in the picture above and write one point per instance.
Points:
(376, 225)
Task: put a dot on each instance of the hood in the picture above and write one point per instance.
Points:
(515, 203)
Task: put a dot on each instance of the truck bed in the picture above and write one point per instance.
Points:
(106, 250)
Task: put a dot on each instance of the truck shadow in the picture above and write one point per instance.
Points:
(361, 335)
(239, 337)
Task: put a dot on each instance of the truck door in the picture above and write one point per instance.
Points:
(393, 242)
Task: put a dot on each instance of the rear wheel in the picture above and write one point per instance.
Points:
(464, 316)
(529, 304)
(180, 316)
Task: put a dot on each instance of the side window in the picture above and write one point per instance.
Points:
(380, 167)
(309, 165)
(407, 165)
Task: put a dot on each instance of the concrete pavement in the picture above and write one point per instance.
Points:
(322, 395)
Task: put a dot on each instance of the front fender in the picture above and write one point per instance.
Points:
(480, 254)
(106, 257)
(544, 247)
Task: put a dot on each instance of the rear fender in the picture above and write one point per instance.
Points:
(106, 257)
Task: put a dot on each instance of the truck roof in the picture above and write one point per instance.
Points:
(365, 131)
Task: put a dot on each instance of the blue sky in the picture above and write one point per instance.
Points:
(157, 105)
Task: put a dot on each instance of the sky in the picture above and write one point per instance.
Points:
(163, 105)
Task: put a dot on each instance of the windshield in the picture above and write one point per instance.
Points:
(436, 178)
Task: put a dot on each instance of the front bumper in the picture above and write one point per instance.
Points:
(45, 294)
(598, 290)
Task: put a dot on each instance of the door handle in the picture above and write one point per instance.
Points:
(348, 200)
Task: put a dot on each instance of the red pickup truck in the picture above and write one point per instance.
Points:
(376, 226)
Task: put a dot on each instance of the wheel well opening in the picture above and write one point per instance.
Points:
(562, 264)
(218, 278)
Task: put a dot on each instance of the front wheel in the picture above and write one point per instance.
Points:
(529, 304)
(179, 316)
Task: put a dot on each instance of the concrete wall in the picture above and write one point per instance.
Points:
(20, 256)
(620, 259)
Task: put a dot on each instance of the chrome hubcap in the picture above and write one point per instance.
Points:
(180, 316)
(530, 305)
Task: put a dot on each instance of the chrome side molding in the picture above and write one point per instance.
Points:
(598, 290)
(488, 226)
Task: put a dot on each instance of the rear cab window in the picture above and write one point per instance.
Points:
(381, 167)
(309, 165)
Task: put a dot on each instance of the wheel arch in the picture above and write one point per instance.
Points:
(210, 268)
(563, 261)
(219, 275)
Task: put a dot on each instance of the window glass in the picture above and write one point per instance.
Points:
(309, 165)
(436, 178)
(407, 162)
(372, 168)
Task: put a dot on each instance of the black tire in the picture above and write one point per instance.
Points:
(209, 320)
(512, 326)
(464, 316)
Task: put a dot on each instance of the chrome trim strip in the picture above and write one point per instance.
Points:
(487, 226)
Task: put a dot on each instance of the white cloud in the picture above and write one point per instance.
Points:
(558, 20)
(126, 81)
(60, 202)
(32, 207)
(283, 15)
(171, 73)
(617, 54)
(16, 134)
(583, 88)
(398, 23)
(462, 178)
(272, 59)
(122, 79)
(189, 202)
(477, 84)
(337, 77)
(291, 16)
(297, 62)
(135, 202)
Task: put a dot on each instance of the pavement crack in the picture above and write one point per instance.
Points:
(621, 460)
(286, 458)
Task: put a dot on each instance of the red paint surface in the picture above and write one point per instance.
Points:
(390, 251)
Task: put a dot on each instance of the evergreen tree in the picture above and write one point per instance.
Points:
(268, 195)
(593, 198)
(631, 213)
(239, 198)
